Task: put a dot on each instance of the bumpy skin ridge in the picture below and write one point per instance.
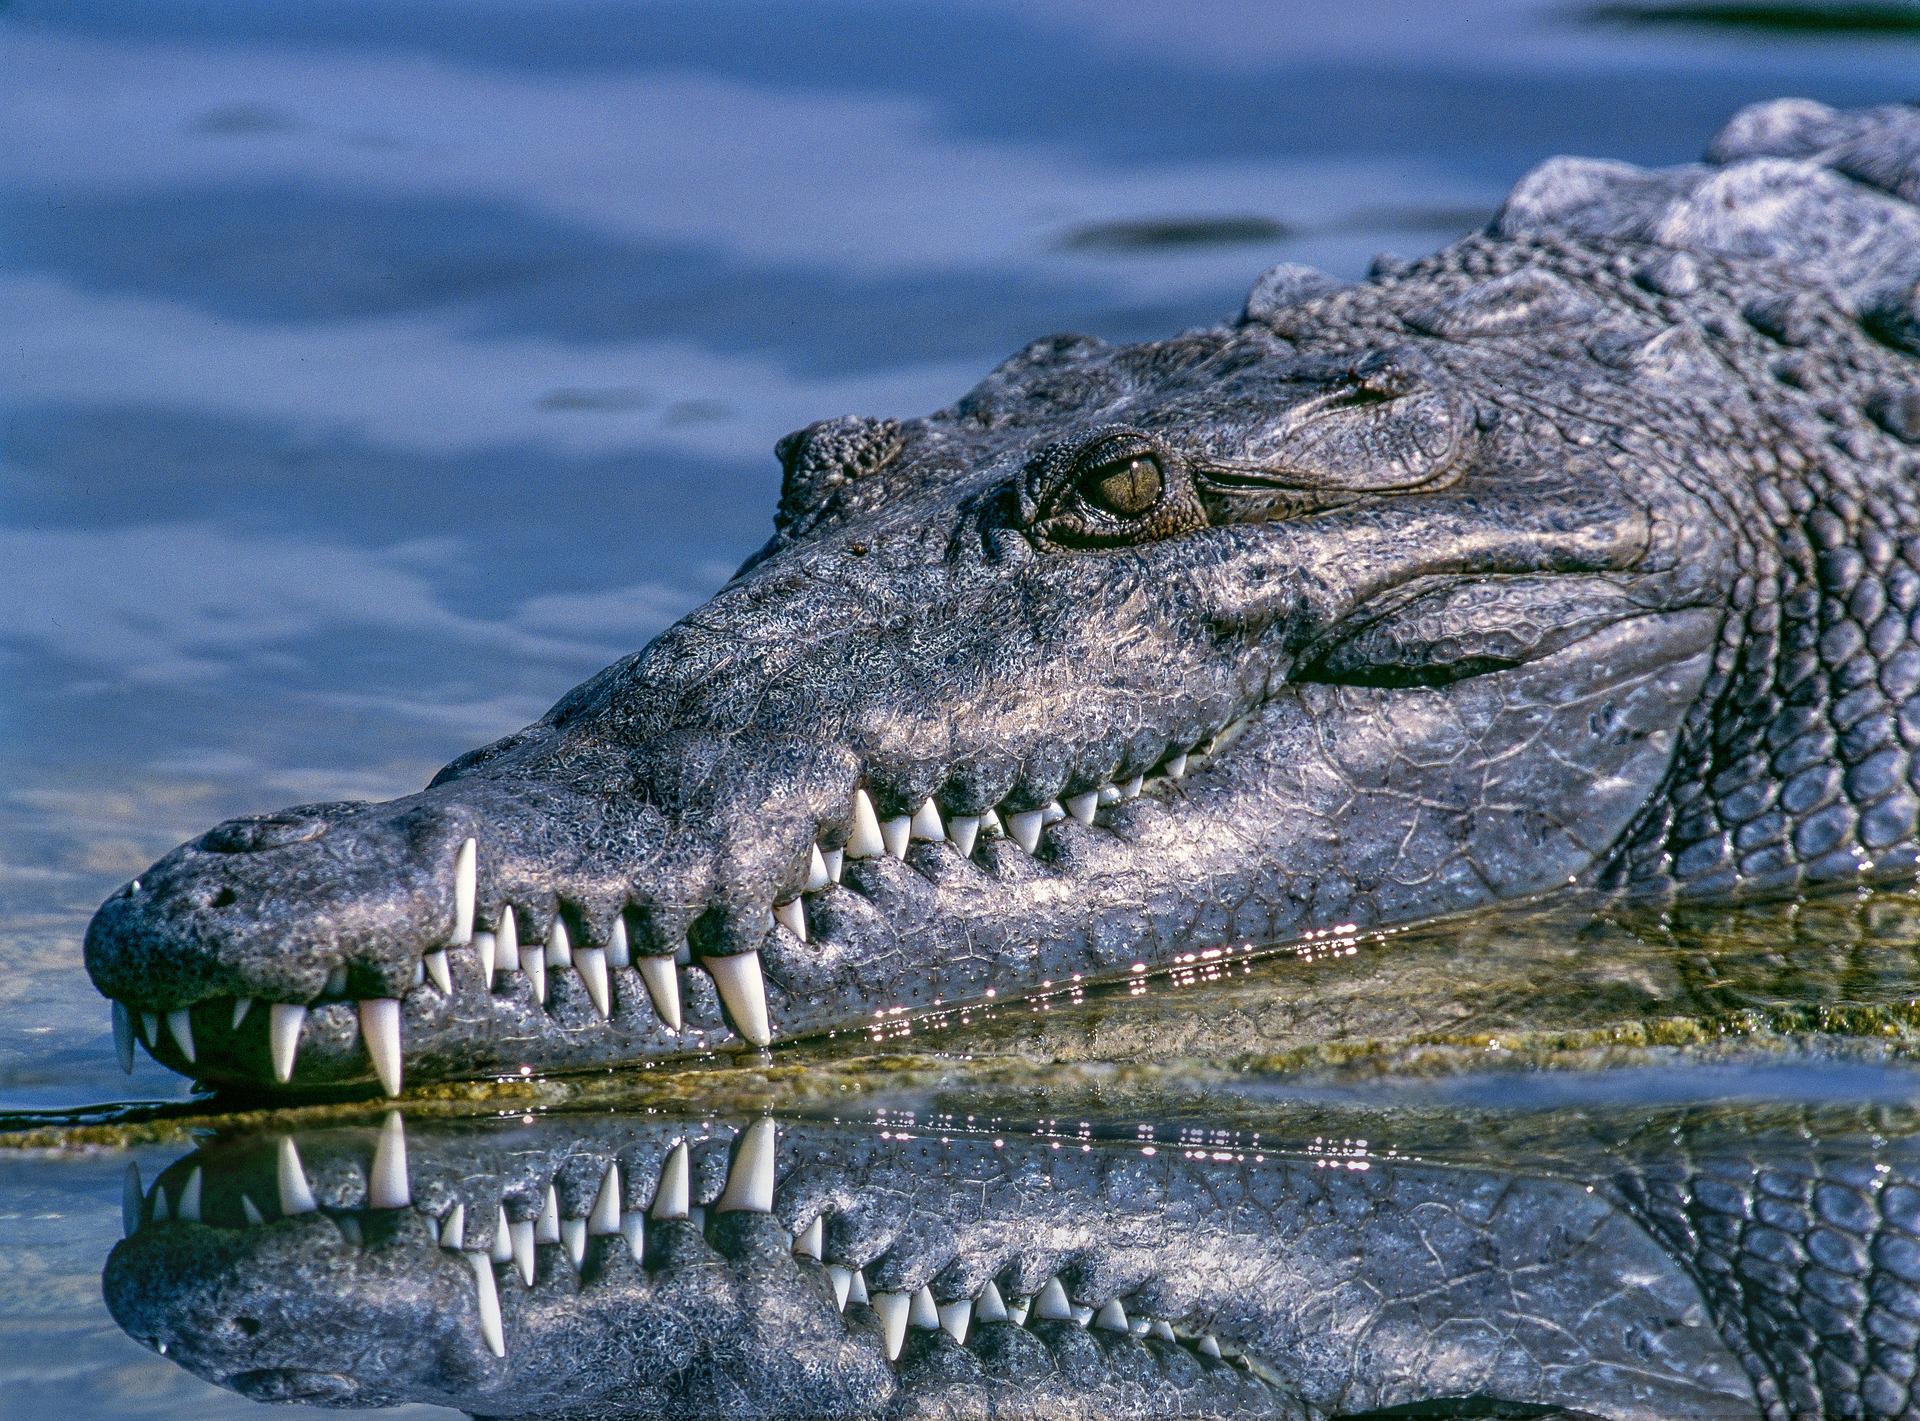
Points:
(1584, 550)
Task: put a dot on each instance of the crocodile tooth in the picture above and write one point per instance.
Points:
(1106, 794)
(604, 1217)
(1051, 812)
(483, 948)
(750, 1182)
(793, 917)
(1082, 1316)
(180, 1028)
(835, 860)
(284, 1020)
(133, 1200)
(453, 1233)
(506, 951)
(123, 1036)
(521, 1232)
(559, 945)
(743, 991)
(295, 1196)
(1131, 789)
(817, 875)
(1139, 1327)
(926, 823)
(955, 1317)
(159, 1213)
(1112, 1317)
(894, 833)
(989, 1307)
(619, 948)
(633, 1227)
(1177, 766)
(387, 1184)
(463, 895)
(1082, 806)
(380, 1025)
(1017, 1311)
(857, 1286)
(501, 1250)
(842, 1280)
(419, 971)
(991, 826)
(150, 1029)
(591, 964)
(863, 839)
(1161, 1329)
(533, 962)
(812, 1239)
(241, 1006)
(546, 1228)
(573, 1233)
(1052, 1302)
(436, 964)
(671, 1195)
(964, 829)
(663, 986)
(250, 1211)
(188, 1209)
(1208, 1346)
(1024, 828)
(336, 982)
(925, 1313)
(893, 1309)
(487, 1294)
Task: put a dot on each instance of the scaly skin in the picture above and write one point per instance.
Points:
(1586, 550)
(1701, 1267)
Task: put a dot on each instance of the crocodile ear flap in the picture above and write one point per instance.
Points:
(823, 459)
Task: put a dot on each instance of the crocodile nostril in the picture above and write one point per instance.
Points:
(224, 898)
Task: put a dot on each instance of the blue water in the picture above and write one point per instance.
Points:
(375, 372)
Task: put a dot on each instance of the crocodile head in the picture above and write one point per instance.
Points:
(1335, 616)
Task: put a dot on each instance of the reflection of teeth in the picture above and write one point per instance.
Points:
(295, 1196)
(663, 986)
(180, 1027)
(123, 1036)
(863, 839)
(436, 965)
(133, 1200)
(488, 1296)
(750, 1182)
(284, 1020)
(591, 964)
(1052, 1303)
(744, 993)
(150, 1029)
(793, 917)
(188, 1209)
(387, 1184)
(250, 1211)
(380, 1025)
(671, 1196)
(463, 895)
(241, 1006)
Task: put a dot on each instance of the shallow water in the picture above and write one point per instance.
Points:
(379, 371)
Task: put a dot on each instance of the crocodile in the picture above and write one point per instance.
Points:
(1707, 1262)
(1585, 551)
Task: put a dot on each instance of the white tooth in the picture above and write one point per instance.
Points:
(387, 1184)
(573, 1233)
(453, 1233)
(150, 1029)
(436, 965)
(964, 829)
(894, 833)
(419, 971)
(591, 964)
(336, 982)
(1024, 828)
(533, 962)
(835, 860)
(1051, 812)
(926, 822)
(188, 1208)
(663, 985)
(925, 1314)
(521, 1232)
(633, 1227)
(133, 1200)
(123, 1036)
(295, 1196)
(502, 1248)
(817, 876)
(955, 1317)
(559, 945)
(857, 1287)
(863, 839)
(1052, 1302)
(463, 894)
(812, 1239)
(1112, 1317)
(488, 1295)
(506, 951)
(1107, 794)
(1081, 806)
(241, 1006)
(1017, 1311)
(1159, 1328)
(250, 1211)
(989, 1307)
(750, 1182)
(1177, 766)
(893, 1309)
(793, 917)
(991, 826)
(180, 1027)
(604, 1217)
(284, 1020)
(670, 1196)
(744, 993)
(1131, 789)
(380, 1025)
(619, 946)
(841, 1278)
(546, 1228)
(1139, 1327)
(1082, 1316)
(483, 948)
(1208, 1346)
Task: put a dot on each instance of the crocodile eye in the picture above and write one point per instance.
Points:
(1126, 487)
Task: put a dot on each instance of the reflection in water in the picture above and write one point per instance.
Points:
(1716, 1262)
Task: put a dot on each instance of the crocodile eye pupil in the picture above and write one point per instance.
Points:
(1128, 487)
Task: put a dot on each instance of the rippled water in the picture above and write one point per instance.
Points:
(377, 371)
